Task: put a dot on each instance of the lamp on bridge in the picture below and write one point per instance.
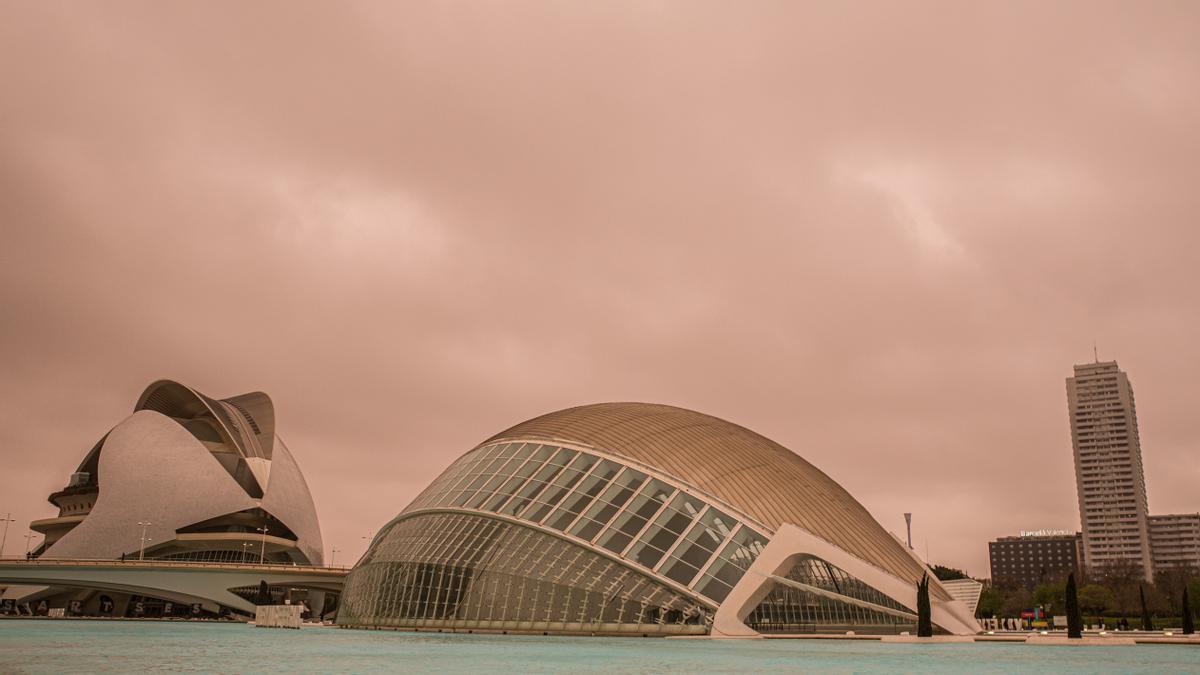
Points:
(263, 556)
(3, 538)
(142, 547)
(29, 544)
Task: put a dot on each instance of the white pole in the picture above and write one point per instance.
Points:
(29, 542)
(332, 556)
(3, 539)
(262, 559)
(142, 548)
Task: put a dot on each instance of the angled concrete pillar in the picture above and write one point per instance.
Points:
(786, 548)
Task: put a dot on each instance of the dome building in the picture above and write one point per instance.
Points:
(638, 519)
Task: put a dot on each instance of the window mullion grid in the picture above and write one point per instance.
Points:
(634, 490)
(483, 498)
(650, 521)
(517, 488)
(697, 521)
(594, 499)
(464, 477)
(569, 491)
(546, 483)
(536, 497)
(716, 554)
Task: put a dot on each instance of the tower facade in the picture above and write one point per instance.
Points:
(1108, 469)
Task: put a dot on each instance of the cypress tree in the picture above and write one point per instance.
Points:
(264, 594)
(1188, 627)
(1147, 623)
(924, 611)
(1074, 618)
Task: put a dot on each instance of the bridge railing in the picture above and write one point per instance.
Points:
(178, 564)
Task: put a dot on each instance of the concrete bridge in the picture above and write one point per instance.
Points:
(184, 582)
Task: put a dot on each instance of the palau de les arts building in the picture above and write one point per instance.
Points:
(205, 474)
(638, 519)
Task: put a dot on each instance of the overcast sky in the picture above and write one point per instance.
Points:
(877, 233)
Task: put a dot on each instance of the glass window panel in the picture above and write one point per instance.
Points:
(630, 478)
(543, 452)
(563, 457)
(615, 540)
(645, 553)
(687, 504)
(606, 469)
(655, 494)
(586, 528)
(559, 488)
(665, 531)
(583, 462)
(535, 485)
(470, 490)
(637, 514)
(628, 522)
(505, 491)
(583, 495)
(735, 559)
(713, 588)
(512, 484)
(488, 488)
(680, 571)
(517, 457)
(608, 504)
(674, 521)
(704, 538)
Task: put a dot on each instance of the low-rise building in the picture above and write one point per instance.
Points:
(1175, 541)
(1035, 558)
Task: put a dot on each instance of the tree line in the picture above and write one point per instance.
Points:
(1119, 592)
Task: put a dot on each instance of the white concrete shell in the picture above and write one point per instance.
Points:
(150, 468)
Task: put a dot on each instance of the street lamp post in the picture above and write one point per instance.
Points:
(142, 547)
(6, 520)
(29, 543)
(262, 559)
(245, 545)
(333, 556)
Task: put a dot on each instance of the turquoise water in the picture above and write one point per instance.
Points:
(42, 646)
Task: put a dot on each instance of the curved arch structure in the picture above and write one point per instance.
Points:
(637, 518)
(187, 477)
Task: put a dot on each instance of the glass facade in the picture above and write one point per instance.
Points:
(463, 571)
(788, 609)
(221, 556)
(623, 517)
(645, 520)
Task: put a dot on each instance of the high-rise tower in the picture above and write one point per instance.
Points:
(1108, 468)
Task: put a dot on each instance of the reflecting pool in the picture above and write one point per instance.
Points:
(53, 646)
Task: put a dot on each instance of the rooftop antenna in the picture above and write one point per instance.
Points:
(1095, 352)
